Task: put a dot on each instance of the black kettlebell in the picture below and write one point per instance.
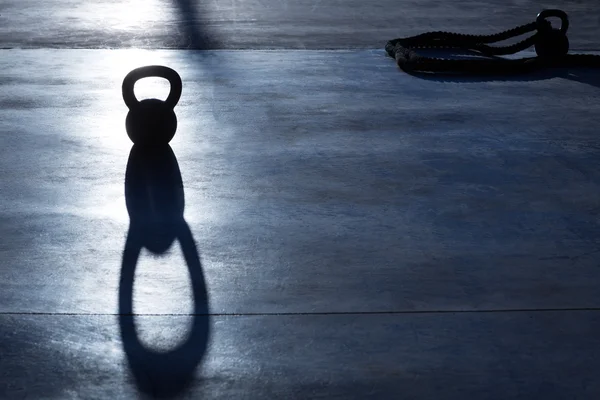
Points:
(151, 122)
(552, 42)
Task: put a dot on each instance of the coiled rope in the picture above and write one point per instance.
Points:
(551, 46)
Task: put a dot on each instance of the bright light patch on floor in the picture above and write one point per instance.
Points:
(124, 15)
(152, 87)
(162, 286)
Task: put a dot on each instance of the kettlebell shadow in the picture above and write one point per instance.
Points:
(154, 195)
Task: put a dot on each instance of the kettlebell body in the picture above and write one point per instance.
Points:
(552, 42)
(151, 122)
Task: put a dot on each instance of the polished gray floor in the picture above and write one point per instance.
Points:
(350, 231)
(268, 24)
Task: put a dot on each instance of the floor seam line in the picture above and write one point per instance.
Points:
(486, 311)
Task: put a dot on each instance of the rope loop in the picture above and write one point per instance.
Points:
(551, 46)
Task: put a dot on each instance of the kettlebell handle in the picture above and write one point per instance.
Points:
(152, 70)
(564, 19)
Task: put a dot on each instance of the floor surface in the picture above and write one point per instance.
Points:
(348, 231)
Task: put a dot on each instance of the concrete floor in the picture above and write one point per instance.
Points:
(349, 231)
(268, 24)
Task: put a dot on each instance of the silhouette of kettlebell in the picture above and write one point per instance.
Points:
(151, 122)
(552, 42)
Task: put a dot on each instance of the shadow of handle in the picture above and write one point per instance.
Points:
(163, 374)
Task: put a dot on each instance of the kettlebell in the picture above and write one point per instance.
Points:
(552, 42)
(151, 122)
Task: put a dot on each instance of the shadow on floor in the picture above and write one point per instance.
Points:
(155, 201)
(197, 38)
(589, 76)
(581, 75)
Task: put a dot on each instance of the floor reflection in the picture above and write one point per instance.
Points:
(155, 201)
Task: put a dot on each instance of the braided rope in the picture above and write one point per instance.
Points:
(402, 50)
